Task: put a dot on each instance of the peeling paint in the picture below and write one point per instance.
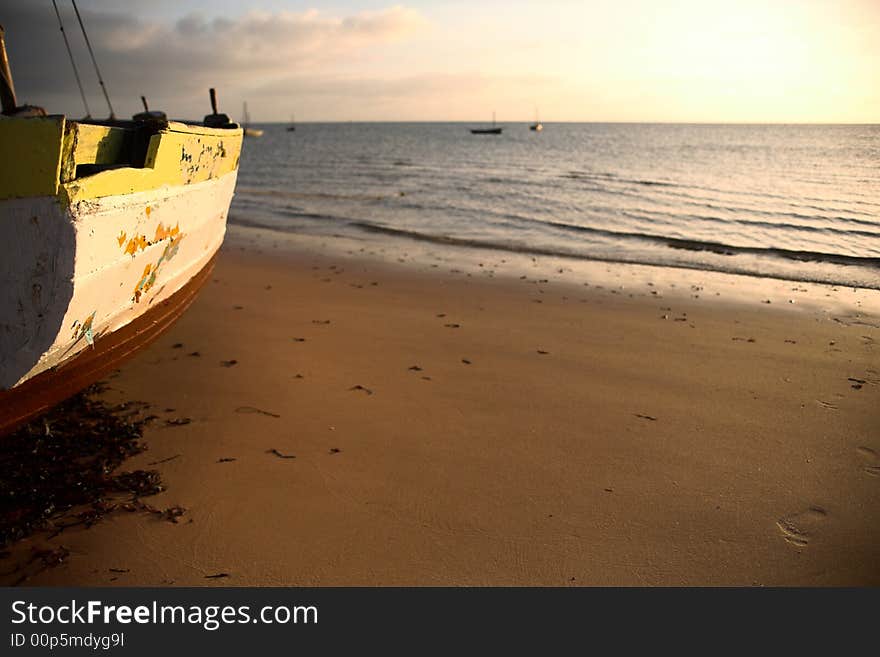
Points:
(140, 242)
(140, 287)
(163, 233)
(209, 161)
(84, 330)
(135, 243)
(152, 271)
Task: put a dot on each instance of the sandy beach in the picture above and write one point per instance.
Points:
(469, 427)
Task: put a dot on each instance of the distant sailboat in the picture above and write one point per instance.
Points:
(537, 126)
(494, 130)
(292, 126)
(248, 131)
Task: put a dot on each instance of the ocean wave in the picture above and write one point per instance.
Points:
(825, 230)
(722, 248)
(690, 245)
(869, 267)
(714, 191)
(324, 196)
(650, 216)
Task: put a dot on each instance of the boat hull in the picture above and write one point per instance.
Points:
(39, 393)
(88, 255)
(486, 131)
(111, 259)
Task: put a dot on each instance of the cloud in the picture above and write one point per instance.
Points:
(275, 42)
(174, 63)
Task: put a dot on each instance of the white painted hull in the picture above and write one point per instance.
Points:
(82, 271)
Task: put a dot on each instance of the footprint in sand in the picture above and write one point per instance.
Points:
(798, 528)
(870, 461)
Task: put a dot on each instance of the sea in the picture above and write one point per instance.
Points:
(793, 202)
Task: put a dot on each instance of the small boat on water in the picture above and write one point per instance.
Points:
(494, 130)
(537, 126)
(292, 126)
(246, 125)
(108, 228)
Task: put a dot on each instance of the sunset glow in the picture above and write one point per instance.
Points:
(632, 60)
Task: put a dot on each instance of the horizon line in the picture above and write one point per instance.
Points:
(531, 121)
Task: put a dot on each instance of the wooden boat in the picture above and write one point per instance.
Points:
(245, 124)
(494, 130)
(107, 231)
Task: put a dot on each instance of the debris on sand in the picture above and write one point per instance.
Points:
(279, 454)
(61, 471)
(258, 411)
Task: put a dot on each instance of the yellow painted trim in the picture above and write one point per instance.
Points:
(177, 126)
(30, 156)
(39, 157)
(92, 144)
(177, 155)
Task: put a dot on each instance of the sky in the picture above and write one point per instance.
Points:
(773, 61)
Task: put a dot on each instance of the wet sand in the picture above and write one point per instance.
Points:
(329, 420)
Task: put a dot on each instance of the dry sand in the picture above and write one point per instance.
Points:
(458, 429)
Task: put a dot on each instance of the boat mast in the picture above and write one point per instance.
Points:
(7, 88)
(8, 102)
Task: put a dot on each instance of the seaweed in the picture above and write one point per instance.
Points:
(60, 470)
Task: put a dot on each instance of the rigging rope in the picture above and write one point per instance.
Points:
(72, 62)
(94, 61)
